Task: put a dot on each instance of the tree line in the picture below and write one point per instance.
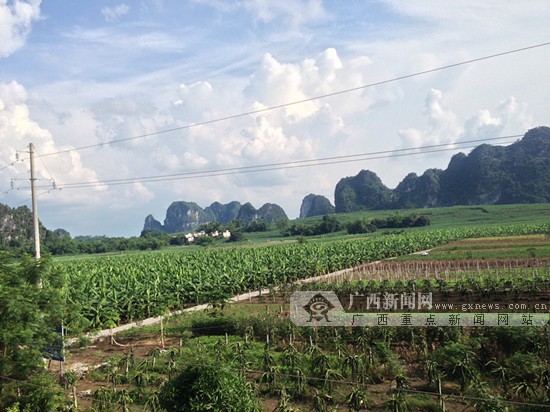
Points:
(61, 243)
(331, 224)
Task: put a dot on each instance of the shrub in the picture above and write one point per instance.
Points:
(208, 387)
(360, 226)
(237, 236)
(256, 226)
(41, 394)
(204, 240)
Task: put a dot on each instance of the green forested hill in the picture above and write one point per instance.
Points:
(16, 228)
(518, 173)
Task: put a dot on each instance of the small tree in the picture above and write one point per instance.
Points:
(503, 374)
(432, 371)
(459, 362)
(208, 387)
(237, 236)
(39, 394)
(29, 316)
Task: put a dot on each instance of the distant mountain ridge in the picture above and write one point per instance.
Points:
(184, 216)
(518, 173)
(224, 213)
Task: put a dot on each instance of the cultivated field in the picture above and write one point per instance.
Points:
(319, 369)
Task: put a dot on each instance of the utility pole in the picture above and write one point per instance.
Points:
(34, 206)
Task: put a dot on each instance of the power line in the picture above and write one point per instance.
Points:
(17, 159)
(13, 179)
(266, 109)
(242, 169)
(298, 163)
(8, 165)
(285, 165)
(46, 167)
(38, 195)
(27, 172)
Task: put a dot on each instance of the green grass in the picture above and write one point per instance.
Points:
(177, 324)
(440, 218)
(489, 215)
(445, 217)
(514, 247)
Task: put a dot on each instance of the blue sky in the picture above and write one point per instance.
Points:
(78, 73)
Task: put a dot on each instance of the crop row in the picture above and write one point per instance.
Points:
(530, 283)
(106, 291)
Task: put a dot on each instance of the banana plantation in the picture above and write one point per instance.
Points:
(118, 289)
(250, 356)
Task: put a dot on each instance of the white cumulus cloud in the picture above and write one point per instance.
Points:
(16, 17)
(443, 127)
(18, 129)
(446, 126)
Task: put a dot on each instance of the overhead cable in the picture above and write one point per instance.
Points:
(266, 109)
(284, 165)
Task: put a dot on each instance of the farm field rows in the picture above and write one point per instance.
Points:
(108, 291)
(337, 368)
(506, 247)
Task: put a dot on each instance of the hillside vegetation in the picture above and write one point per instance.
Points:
(518, 173)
